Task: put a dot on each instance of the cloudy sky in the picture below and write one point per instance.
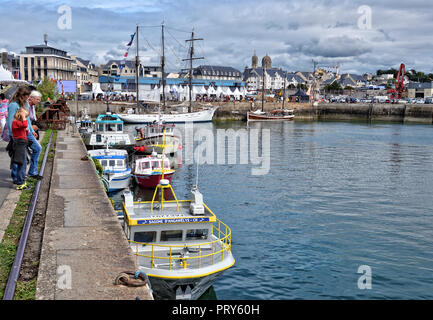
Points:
(360, 36)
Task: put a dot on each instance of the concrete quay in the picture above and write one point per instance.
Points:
(84, 247)
(417, 113)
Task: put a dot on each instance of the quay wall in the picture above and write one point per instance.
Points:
(419, 113)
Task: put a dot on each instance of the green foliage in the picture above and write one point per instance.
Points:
(48, 89)
(334, 86)
(98, 166)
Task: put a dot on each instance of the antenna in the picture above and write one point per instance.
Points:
(46, 39)
(196, 175)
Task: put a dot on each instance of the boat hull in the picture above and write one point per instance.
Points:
(198, 116)
(118, 181)
(165, 289)
(258, 117)
(151, 181)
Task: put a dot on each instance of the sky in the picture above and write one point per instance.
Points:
(359, 36)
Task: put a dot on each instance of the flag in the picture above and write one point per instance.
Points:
(132, 39)
(126, 54)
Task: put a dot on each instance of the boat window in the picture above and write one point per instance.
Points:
(119, 163)
(197, 234)
(145, 165)
(100, 127)
(155, 164)
(111, 127)
(98, 138)
(171, 235)
(149, 236)
(104, 163)
(112, 163)
(119, 127)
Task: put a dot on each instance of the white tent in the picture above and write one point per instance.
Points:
(227, 91)
(211, 90)
(219, 91)
(96, 88)
(237, 94)
(6, 77)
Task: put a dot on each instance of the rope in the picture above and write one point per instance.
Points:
(132, 279)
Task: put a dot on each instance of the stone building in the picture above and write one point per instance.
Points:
(43, 61)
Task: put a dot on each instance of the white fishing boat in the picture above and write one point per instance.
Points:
(150, 139)
(109, 129)
(180, 244)
(115, 165)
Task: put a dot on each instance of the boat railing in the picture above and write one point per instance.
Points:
(221, 247)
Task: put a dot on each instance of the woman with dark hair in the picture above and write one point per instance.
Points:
(19, 100)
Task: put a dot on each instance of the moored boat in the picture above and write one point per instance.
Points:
(274, 115)
(180, 244)
(204, 115)
(148, 170)
(151, 138)
(115, 167)
(109, 129)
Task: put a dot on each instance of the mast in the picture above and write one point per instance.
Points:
(263, 88)
(137, 63)
(162, 66)
(284, 90)
(190, 59)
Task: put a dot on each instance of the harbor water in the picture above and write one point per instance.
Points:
(337, 196)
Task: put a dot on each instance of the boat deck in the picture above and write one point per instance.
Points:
(182, 257)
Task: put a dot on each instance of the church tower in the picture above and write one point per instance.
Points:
(266, 62)
(254, 61)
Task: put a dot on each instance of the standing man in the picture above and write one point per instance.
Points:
(34, 100)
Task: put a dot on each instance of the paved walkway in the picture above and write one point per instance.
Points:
(84, 247)
(9, 196)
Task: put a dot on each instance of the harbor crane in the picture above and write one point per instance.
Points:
(398, 90)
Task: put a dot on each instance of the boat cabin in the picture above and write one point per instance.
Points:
(148, 164)
(109, 123)
(111, 160)
(168, 226)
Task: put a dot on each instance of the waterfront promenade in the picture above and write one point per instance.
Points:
(8, 195)
(84, 247)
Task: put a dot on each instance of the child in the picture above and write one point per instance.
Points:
(19, 134)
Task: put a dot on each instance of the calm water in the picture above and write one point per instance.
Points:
(337, 196)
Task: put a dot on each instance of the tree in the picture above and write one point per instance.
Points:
(48, 89)
(334, 86)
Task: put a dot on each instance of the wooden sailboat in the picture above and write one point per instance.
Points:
(203, 115)
(273, 115)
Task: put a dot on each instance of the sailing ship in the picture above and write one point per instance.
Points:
(204, 114)
(273, 115)
(180, 244)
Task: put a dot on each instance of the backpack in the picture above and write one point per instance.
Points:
(5, 133)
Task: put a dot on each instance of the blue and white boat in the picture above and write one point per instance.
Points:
(109, 129)
(115, 165)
